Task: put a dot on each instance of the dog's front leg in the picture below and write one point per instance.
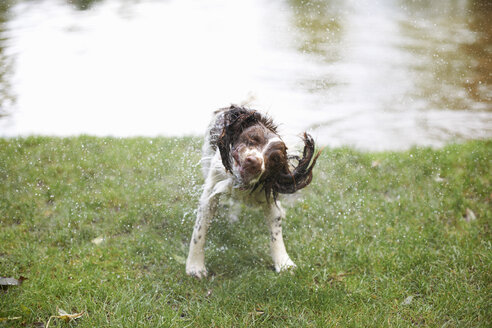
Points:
(274, 215)
(195, 264)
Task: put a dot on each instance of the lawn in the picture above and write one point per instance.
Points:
(101, 226)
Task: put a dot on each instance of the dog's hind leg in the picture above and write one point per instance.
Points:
(274, 215)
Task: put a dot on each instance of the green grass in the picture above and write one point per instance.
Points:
(381, 239)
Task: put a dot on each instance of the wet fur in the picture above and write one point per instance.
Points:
(278, 178)
(235, 128)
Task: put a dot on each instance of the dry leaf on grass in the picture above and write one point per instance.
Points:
(407, 300)
(65, 316)
(7, 282)
(98, 240)
(257, 312)
(470, 215)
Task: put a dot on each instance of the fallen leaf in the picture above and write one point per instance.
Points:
(470, 216)
(65, 316)
(407, 300)
(7, 282)
(259, 311)
(98, 240)
(68, 317)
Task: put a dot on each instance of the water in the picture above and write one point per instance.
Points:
(374, 75)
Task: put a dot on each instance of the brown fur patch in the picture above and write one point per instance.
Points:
(278, 177)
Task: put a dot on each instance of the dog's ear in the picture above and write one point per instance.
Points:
(224, 144)
(236, 120)
(291, 181)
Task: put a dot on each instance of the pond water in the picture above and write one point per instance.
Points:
(370, 74)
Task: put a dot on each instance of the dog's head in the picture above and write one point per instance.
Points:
(255, 154)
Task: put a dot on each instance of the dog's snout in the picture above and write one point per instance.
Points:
(253, 164)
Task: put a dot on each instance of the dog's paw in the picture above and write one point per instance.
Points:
(285, 265)
(196, 271)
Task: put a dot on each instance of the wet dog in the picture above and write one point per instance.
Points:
(244, 157)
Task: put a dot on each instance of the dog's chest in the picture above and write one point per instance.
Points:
(249, 198)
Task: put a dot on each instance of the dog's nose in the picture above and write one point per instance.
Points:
(252, 164)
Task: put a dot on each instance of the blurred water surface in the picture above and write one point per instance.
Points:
(377, 75)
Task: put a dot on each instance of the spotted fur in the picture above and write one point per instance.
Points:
(245, 158)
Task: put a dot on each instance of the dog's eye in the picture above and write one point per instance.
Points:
(253, 141)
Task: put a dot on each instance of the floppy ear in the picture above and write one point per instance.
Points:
(301, 176)
(225, 143)
(236, 120)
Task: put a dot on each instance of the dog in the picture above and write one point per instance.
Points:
(244, 157)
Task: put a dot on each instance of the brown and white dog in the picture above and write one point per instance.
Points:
(244, 156)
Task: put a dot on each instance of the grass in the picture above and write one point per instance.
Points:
(393, 239)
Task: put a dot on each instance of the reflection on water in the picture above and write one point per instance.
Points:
(459, 53)
(376, 75)
(83, 4)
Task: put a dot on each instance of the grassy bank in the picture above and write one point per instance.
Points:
(102, 226)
